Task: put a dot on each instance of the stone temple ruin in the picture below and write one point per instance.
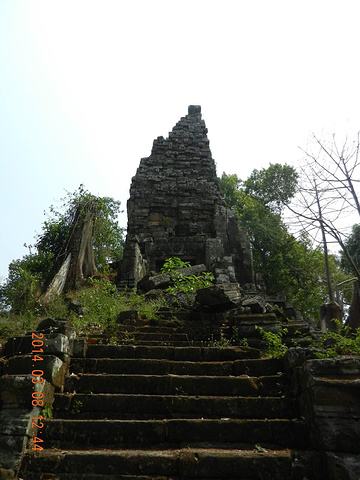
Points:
(184, 393)
(175, 209)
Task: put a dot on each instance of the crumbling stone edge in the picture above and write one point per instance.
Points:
(328, 391)
(18, 382)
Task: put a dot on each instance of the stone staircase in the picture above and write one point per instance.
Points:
(161, 408)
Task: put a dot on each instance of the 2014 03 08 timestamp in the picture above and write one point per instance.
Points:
(37, 398)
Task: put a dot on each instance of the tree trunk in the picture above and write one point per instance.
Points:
(79, 263)
(57, 284)
(328, 313)
(326, 255)
(82, 263)
(354, 313)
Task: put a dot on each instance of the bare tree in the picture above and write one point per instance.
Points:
(327, 192)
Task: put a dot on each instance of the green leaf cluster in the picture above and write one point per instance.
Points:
(275, 346)
(288, 265)
(186, 284)
(352, 244)
(333, 344)
(29, 277)
(102, 302)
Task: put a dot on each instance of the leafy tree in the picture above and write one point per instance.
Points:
(31, 275)
(231, 189)
(107, 234)
(352, 243)
(288, 265)
(273, 187)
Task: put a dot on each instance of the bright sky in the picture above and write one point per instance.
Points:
(87, 85)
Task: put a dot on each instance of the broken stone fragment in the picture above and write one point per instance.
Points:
(225, 294)
(256, 303)
(151, 282)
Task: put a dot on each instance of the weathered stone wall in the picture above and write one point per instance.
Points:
(17, 386)
(175, 209)
(328, 391)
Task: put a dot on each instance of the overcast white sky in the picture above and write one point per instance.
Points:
(87, 85)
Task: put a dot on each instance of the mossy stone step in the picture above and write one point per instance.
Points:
(171, 406)
(172, 352)
(187, 463)
(147, 328)
(265, 366)
(176, 384)
(179, 433)
(136, 336)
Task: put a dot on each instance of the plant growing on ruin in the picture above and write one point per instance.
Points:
(84, 229)
(186, 284)
(275, 346)
(333, 344)
(172, 264)
(47, 411)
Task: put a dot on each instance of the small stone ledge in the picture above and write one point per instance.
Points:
(54, 369)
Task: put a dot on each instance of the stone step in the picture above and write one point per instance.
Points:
(136, 336)
(164, 367)
(122, 406)
(173, 433)
(149, 328)
(187, 463)
(295, 328)
(161, 343)
(85, 476)
(176, 384)
(172, 323)
(188, 353)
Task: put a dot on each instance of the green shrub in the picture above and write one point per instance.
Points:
(275, 346)
(332, 344)
(186, 284)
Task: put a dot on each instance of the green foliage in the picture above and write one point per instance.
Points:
(223, 342)
(275, 346)
(12, 325)
(172, 264)
(107, 235)
(102, 304)
(272, 187)
(189, 283)
(185, 284)
(237, 339)
(76, 406)
(230, 187)
(99, 301)
(21, 289)
(46, 412)
(352, 244)
(288, 265)
(333, 344)
(29, 276)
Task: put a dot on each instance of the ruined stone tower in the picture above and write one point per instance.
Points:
(175, 209)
